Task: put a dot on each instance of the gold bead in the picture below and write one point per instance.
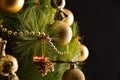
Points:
(9, 32)
(42, 34)
(21, 33)
(26, 32)
(53, 47)
(51, 44)
(15, 33)
(38, 33)
(61, 53)
(1, 26)
(4, 29)
(33, 33)
(49, 39)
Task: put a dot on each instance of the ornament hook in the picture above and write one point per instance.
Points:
(3, 46)
(59, 4)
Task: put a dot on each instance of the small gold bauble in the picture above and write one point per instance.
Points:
(69, 19)
(73, 74)
(84, 53)
(11, 6)
(61, 33)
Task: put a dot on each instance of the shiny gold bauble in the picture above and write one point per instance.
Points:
(60, 4)
(61, 33)
(69, 19)
(84, 53)
(11, 6)
(8, 65)
(73, 74)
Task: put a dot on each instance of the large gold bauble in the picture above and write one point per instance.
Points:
(69, 19)
(61, 33)
(73, 74)
(84, 53)
(11, 6)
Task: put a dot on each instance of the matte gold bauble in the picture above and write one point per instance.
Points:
(69, 19)
(61, 33)
(11, 6)
(73, 74)
(84, 53)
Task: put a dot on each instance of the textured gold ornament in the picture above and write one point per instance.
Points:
(84, 53)
(73, 74)
(11, 6)
(8, 63)
(61, 33)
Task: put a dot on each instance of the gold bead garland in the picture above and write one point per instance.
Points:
(42, 36)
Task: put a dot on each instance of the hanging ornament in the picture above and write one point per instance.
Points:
(73, 74)
(8, 63)
(84, 53)
(61, 33)
(65, 15)
(43, 65)
(69, 18)
(60, 4)
(11, 6)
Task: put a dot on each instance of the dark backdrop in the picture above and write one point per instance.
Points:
(99, 22)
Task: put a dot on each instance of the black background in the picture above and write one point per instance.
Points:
(99, 22)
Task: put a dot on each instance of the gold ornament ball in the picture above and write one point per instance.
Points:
(84, 53)
(70, 17)
(61, 33)
(11, 6)
(73, 74)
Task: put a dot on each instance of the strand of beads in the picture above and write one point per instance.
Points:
(20, 33)
(53, 46)
(41, 36)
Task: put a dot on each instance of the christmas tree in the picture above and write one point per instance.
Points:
(39, 40)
